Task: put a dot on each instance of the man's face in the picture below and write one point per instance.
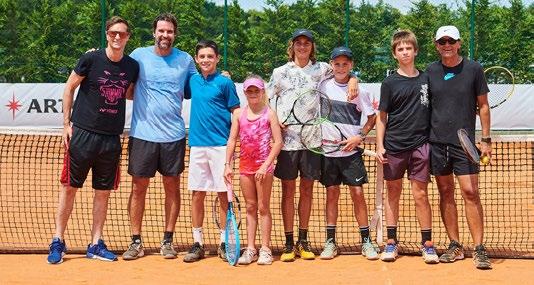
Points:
(302, 47)
(164, 35)
(448, 47)
(117, 36)
(341, 65)
(405, 53)
(207, 60)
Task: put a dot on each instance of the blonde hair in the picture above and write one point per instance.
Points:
(291, 52)
(403, 36)
(264, 97)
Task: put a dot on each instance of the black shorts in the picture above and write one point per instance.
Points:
(446, 159)
(90, 150)
(145, 157)
(289, 163)
(348, 170)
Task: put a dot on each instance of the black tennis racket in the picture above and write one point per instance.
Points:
(501, 84)
(471, 151)
(298, 108)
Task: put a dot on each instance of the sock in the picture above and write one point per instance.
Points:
(331, 232)
(136, 238)
(197, 235)
(392, 232)
(303, 234)
(167, 236)
(426, 234)
(222, 235)
(289, 238)
(364, 232)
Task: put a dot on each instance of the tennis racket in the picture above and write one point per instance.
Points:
(501, 85)
(471, 151)
(231, 234)
(236, 208)
(312, 136)
(301, 108)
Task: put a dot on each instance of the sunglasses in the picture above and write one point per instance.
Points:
(442, 42)
(114, 34)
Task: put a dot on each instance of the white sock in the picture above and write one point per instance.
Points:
(197, 235)
(222, 235)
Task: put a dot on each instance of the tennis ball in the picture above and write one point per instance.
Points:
(485, 160)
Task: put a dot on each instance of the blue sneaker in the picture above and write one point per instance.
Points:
(100, 251)
(390, 252)
(57, 251)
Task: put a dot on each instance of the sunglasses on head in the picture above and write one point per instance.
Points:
(113, 34)
(442, 42)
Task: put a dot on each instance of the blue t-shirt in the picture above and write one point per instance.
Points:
(158, 94)
(212, 99)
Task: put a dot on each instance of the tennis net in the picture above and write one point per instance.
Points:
(30, 165)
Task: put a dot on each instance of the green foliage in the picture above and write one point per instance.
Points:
(42, 39)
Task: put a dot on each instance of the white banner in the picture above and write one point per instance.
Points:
(39, 106)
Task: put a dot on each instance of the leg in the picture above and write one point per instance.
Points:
(288, 204)
(394, 189)
(305, 202)
(264, 202)
(248, 186)
(136, 203)
(100, 210)
(473, 206)
(360, 206)
(422, 205)
(332, 199)
(447, 205)
(197, 208)
(171, 184)
(64, 209)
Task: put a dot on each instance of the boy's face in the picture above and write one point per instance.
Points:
(207, 60)
(405, 53)
(341, 66)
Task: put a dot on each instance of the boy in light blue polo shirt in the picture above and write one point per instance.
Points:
(213, 100)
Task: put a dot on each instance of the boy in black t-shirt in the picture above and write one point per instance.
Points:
(458, 87)
(91, 135)
(402, 129)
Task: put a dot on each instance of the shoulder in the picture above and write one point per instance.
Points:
(139, 52)
(473, 64)
(433, 66)
(181, 54)
(223, 80)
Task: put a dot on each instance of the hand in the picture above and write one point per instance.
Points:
(485, 149)
(353, 89)
(351, 143)
(260, 173)
(381, 155)
(67, 134)
(228, 174)
(91, 50)
(226, 73)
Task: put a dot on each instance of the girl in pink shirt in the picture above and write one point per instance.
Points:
(260, 137)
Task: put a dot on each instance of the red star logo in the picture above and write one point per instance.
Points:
(13, 105)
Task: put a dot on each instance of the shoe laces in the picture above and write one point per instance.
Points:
(250, 252)
(102, 247)
(367, 245)
(56, 246)
(330, 244)
(134, 246)
(288, 248)
(196, 247)
(305, 245)
(390, 247)
(481, 253)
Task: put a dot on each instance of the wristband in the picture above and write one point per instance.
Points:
(486, 140)
(362, 136)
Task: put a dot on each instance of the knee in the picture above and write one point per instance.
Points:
(470, 194)
(252, 208)
(264, 210)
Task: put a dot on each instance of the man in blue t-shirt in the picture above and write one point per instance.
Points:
(213, 100)
(157, 135)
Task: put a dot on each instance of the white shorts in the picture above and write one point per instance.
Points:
(206, 168)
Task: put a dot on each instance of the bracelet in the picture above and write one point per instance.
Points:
(227, 163)
(486, 140)
(362, 136)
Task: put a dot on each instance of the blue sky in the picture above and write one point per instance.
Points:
(403, 5)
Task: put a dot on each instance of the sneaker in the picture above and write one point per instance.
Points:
(167, 250)
(304, 250)
(266, 257)
(429, 253)
(368, 250)
(100, 251)
(195, 253)
(480, 257)
(330, 250)
(453, 253)
(248, 256)
(390, 252)
(221, 251)
(135, 250)
(288, 254)
(57, 251)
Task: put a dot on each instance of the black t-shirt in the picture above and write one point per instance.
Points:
(454, 99)
(406, 100)
(101, 101)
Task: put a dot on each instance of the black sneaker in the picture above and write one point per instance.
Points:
(480, 258)
(221, 251)
(196, 253)
(453, 253)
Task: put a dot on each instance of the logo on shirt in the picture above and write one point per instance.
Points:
(448, 76)
(112, 87)
(424, 95)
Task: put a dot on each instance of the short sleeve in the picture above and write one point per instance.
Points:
(385, 95)
(232, 99)
(84, 64)
(481, 86)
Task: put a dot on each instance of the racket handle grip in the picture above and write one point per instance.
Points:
(229, 192)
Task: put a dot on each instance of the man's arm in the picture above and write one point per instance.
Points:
(130, 91)
(68, 97)
(381, 121)
(485, 122)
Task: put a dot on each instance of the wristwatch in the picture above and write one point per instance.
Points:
(362, 135)
(486, 140)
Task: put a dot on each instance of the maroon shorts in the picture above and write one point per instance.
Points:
(415, 161)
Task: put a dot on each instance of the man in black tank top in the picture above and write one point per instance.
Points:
(91, 136)
(458, 87)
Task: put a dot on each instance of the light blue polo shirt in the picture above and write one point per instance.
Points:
(158, 94)
(212, 99)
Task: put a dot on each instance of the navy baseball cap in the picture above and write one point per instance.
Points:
(302, 32)
(339, 51)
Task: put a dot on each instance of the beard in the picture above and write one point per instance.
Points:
(163, 43)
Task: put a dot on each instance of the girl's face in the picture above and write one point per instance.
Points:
(254, 95)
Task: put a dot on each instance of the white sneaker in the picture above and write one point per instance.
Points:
(266, 257)
(390, 252)
(248, 256)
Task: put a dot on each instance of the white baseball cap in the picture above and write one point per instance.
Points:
(448, 31)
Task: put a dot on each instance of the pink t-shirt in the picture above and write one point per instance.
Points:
(255, 136)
